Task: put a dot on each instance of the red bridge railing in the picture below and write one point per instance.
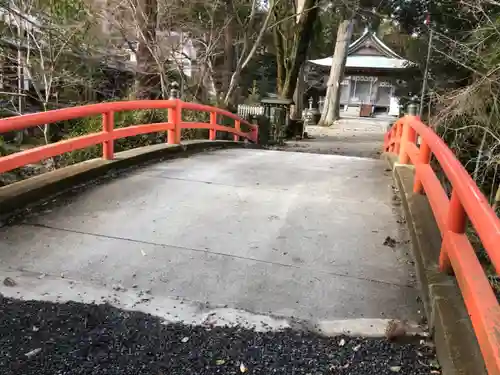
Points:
(109, 133)
(467, 202)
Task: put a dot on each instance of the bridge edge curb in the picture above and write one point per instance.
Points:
(456, 344)
(16, 197)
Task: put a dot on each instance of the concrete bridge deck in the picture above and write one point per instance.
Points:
(289, 234)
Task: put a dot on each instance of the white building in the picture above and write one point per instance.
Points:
(370, 72)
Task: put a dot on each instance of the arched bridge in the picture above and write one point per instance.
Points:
(243, 235)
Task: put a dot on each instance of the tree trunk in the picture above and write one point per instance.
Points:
(331, 110)
(280, 55)
(147, 76)
(496, 202)
(246, 56)
(228, 53)
(228, 102)
(289, 64)
(475, 175)
(298, 96)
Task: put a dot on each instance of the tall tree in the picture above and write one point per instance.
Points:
(249, 45)
(229, 37)
(147, 16)
(350, 12)
(331, 110)
(50, 37)
(293, 31)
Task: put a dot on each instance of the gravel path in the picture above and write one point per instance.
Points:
(359, 137)
(362, 146)
(74, 338)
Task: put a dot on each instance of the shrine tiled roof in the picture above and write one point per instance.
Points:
(369, 51)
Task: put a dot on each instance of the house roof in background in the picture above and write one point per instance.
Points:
(378, 62)
(370, 40)
(382, 57)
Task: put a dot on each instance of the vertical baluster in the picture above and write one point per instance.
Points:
(174, 117)
(108, 122)
(408, 136)
(456, 224)
(399, 135)
(394, 132)
(425, 158)
(171, 132)
(213, 122)
(237, 126)
(178, 121)
(403, 155)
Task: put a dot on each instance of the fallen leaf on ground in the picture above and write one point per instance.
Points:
(395, 329)
(9, 282)
(389, 241)
(220, 362)
(118, 287)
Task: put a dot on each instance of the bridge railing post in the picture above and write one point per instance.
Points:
(178, 120)
(398, 136)
(237, 126)
(390, 138)
(213, 121)
(173, 118)
(403, 155)
(108, 123)
(394, 137)
(457, 219)
(408, 135)
(171, 132)
(425, 158)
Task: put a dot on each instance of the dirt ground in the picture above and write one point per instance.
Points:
(358, 137)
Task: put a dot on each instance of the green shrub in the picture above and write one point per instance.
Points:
(3, 150)
(77, 128)
(82, 126)
(194, 116)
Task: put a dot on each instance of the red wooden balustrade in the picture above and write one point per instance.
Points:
(466, 203)
(109, 133)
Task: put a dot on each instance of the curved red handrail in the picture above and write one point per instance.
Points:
(109, 133)
(222, 112)
(467, 201)
(34, 119)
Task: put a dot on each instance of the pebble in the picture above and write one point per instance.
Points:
(86, 339)
(118, 287)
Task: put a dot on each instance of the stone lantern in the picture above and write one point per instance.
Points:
(312, 114)
(413, 106)
(278, 112)
(174, 90)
